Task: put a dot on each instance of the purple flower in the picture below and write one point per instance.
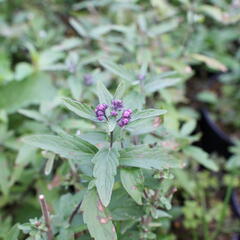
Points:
(114, 113)
(88, 79)
(141, 77)
(100, 118)
(125, 119)
(117, 105)
(100, 111)
(127, 113)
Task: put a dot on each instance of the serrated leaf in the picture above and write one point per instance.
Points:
(123, 207)
(132, 180)
(99, 223)
(118, 69)
(82, 110)
(201, 157)
(105, 168)
(120, 90)
(143, 157)
(103, 94)
(69, 147)
(148, 113)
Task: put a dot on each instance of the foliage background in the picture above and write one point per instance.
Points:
(189, 51)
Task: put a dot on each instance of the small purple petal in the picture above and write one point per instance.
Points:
(114, 113)
(120, 124)
(126, 114)
(88, 80)
(125, 121)
(99, 113)
(141, 77)
(100, 118)
(101, 107)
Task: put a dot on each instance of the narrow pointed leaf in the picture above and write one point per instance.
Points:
(201, 157)
(160, 84)
(103, 94)
(119, 70)
(120, 90)
(80, 109)
(148, 113)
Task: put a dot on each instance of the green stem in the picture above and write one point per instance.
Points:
(224, 210)
(202, 198)
(111, 139)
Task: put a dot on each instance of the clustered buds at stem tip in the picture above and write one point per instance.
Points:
(100, 111)
(116, 107)
(114, 113)
(125, 119)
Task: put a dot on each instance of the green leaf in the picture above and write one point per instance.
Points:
(103, 94)
(78, 27)
(158, 84)
(188, 127)
(32, 114)
(13, 233)
(149, 158)
(132, 180)
(165, 27)
(105, 168)
(23, 70)
(148, 113)
(75, 86)
(158, 213)
(18, 94)
(123, 207)
(4, 175)
(49, 164)
(201, 157)
(120, 90)
(119, 70)
(184, 180)
(210, 62)
(99, 223)
(70, 147)
(82, 110)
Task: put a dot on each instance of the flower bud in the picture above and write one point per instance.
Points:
(88, 79)
(117, 105)
(114, 113)
(141, 77)
(100, 118)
